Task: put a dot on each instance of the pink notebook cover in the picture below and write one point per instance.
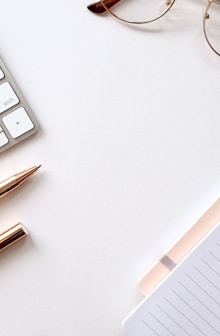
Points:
(161, 268)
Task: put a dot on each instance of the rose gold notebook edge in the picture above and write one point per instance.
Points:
(181, 247)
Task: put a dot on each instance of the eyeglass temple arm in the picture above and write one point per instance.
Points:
(98, 8)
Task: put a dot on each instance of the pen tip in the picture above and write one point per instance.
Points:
(38, 166)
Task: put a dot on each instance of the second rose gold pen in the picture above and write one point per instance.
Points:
(14, 181)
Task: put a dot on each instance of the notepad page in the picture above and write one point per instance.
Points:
(188, 300)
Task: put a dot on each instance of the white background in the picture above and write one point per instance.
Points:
(129, 147)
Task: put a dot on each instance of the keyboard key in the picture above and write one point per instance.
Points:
(8, 97)
(3, 138)
(1, 74)
(18, 122)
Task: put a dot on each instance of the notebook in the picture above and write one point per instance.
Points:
(187, 301)
(17, 120)
(179, 249)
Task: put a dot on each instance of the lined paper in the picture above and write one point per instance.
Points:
(188, 300)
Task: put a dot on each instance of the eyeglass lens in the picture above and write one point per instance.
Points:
(212, 25)
(138, 11)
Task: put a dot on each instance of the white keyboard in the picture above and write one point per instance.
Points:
(17, 121)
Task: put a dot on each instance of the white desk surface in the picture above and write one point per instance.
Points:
(129, 147)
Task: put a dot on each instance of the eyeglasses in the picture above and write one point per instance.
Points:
(211, 25)
(146, 11)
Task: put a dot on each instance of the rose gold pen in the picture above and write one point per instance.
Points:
(14, 181)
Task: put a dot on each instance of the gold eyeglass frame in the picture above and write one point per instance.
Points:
(205, 18)
(169, 4)
(104, 6)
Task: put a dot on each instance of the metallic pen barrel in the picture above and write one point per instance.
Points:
(16, 180)
(12, 235)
